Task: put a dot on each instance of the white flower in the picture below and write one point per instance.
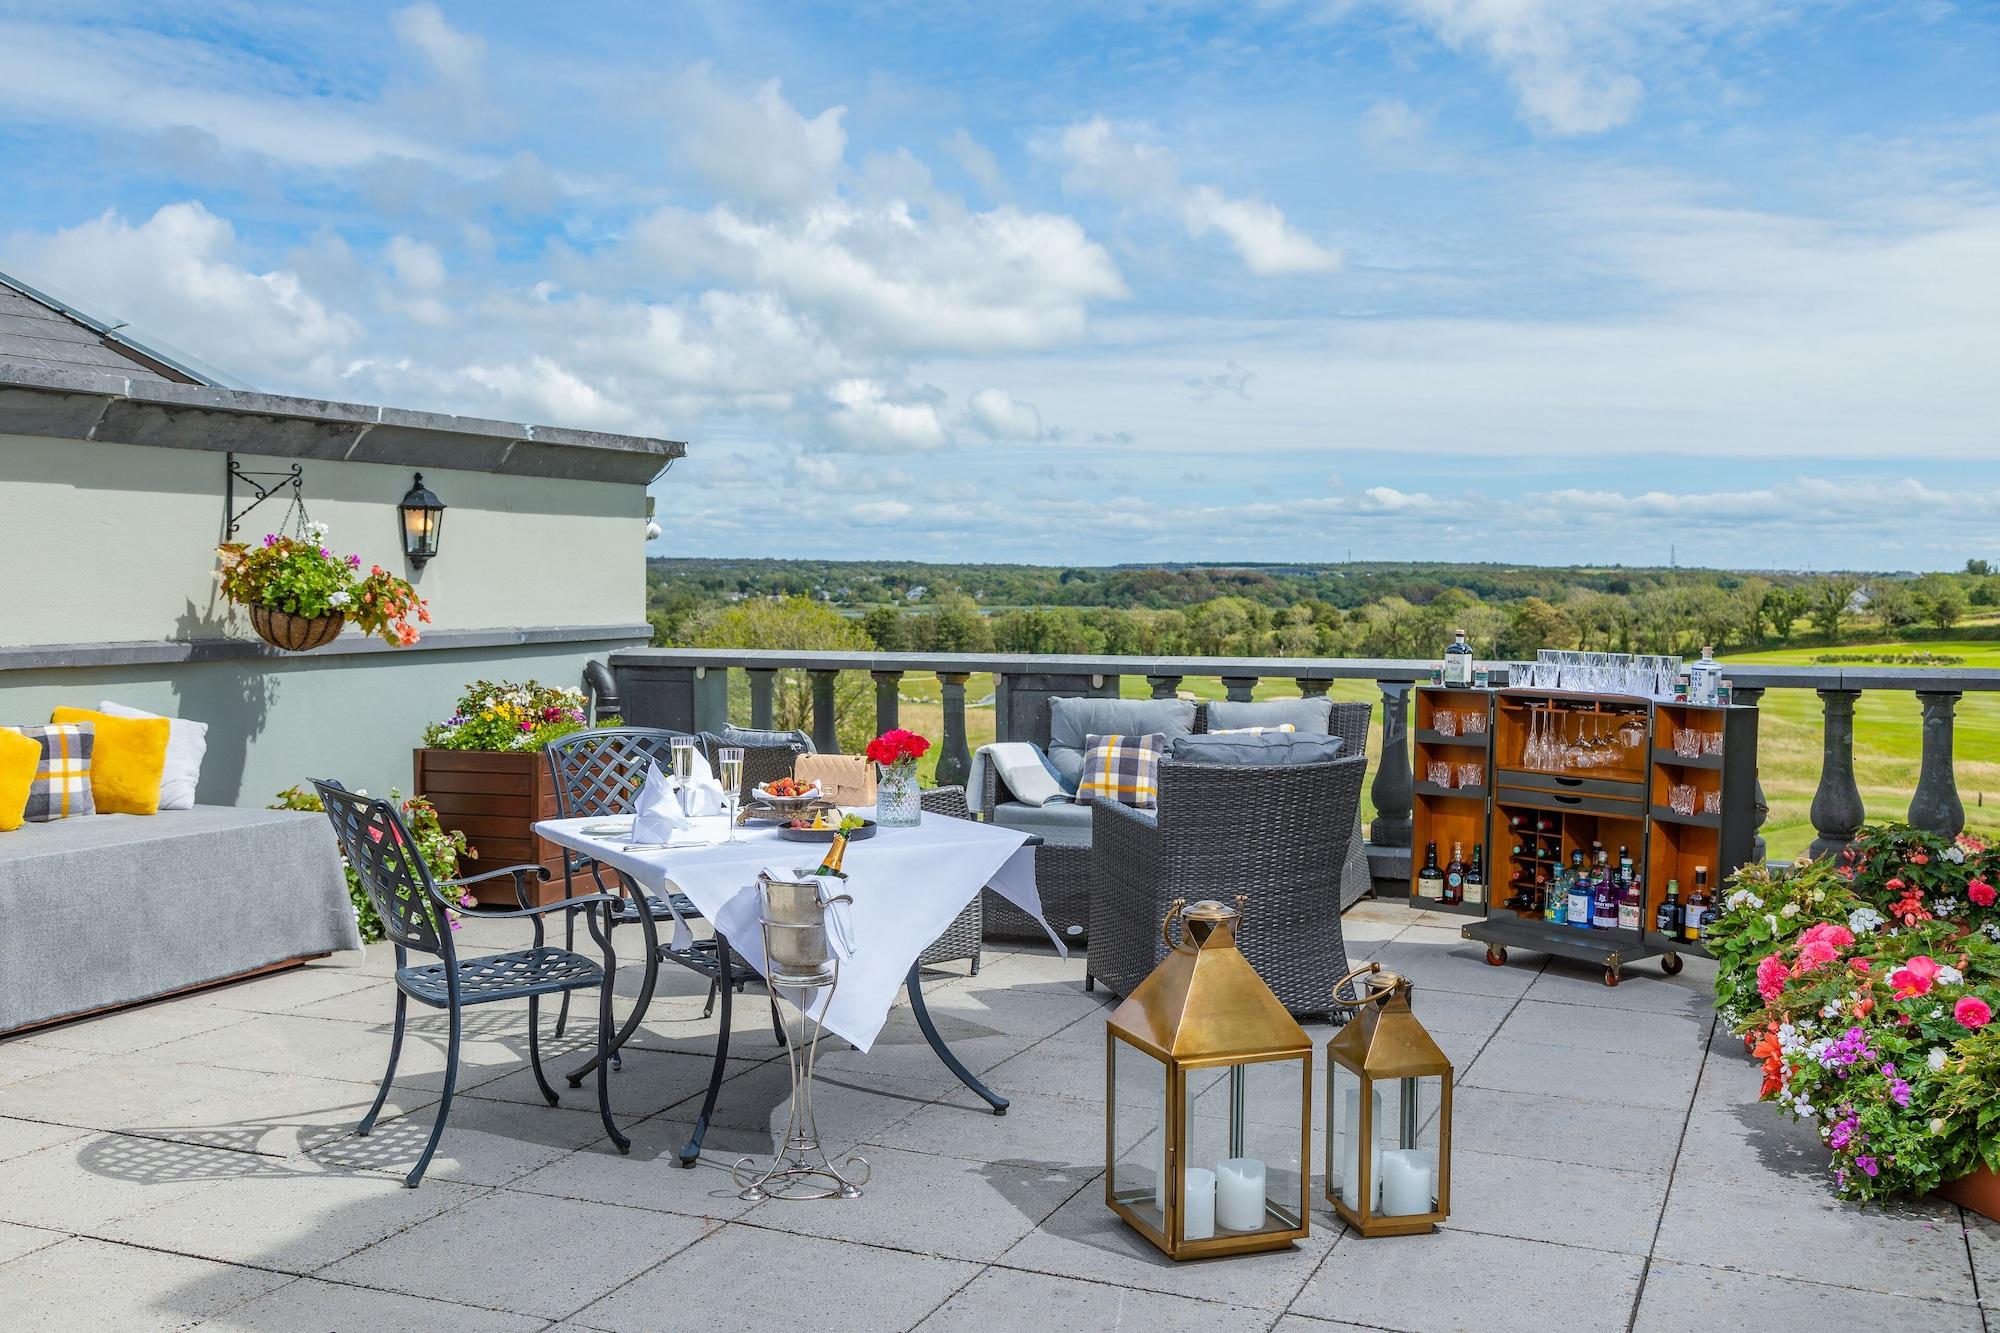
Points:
(341, 598)
(1829, 1011)
(1789, 910)
(1938, 1125)
(1992, 929)
(1772, 918)
(316, 533)
(1955, 854)
(1936, 1059)
(1804, 1107)
(1864, 919)
(1947, 975)
(1944, 906)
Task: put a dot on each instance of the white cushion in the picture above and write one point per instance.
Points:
(187, 743)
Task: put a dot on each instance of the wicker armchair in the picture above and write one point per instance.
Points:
(1278, 834)
(962, 938)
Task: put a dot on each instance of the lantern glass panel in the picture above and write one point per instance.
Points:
(1244, 1131)
(1403, 1163)
(1138, 1131)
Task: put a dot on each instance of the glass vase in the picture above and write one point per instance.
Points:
(897, 803)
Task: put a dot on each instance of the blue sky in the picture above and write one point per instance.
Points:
(1522, 280)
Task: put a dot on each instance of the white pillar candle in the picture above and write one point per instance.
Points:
(1350, 1148)
(1406, 1183)
(1198, 1204)
(1239, 1193)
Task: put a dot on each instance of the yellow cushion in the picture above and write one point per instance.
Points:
(19, 758)
(126, 760)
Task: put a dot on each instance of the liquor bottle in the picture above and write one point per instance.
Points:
(1555, 899)
(1454, 876)
(1603, 898)
(836, 851)
(1458, 661)
(1475, 877)
(1705, 679)
(1697, 904)
(1430, 880)
(1714, 907)
(1667, 918)
(1624, 866)
(1631, 902)
(1579, 893)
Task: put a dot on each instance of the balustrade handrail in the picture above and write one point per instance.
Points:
(687, 688)
(1746, 675)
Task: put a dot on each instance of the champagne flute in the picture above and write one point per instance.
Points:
(729, 759)
(682, 750)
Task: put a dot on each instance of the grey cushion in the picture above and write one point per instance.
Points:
(1303, 714)
(1063, 823)
(109, 909)
(748, 736)
(1073, 721)
(1273, 747)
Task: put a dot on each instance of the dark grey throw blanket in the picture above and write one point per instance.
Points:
(107, 909)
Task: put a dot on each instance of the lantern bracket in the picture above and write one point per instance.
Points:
(235, 472)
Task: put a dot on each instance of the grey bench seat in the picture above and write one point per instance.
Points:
(105, 910)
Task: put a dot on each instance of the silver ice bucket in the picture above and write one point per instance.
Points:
(795, 943)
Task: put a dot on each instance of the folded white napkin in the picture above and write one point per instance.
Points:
(702, 794)
(657, 815)
(839, 925)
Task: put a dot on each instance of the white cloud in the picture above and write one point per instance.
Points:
(1393, 121)
(756, 146)
(999, 415)
(178, 277)
(543, 390)
(880, 512)
(417, 264)
(864, 416)
(978, 162)
(1145, 176)
(456, 56)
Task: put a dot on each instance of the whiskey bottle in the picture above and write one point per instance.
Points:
(1667, 917)
(1454, 876)
(1697, 905)
(1430, 880)
(1475, 877)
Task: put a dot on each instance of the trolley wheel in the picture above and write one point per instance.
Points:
(1496, 956)
(1671, 964)
(1611, 974)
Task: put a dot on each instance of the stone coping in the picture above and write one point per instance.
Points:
(152, 652)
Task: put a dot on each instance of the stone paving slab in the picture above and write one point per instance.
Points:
(120, 1289)
(1564, 1129)
(312, 1304)
(16, 1240)
(1617, 1077)
(1683, 1296)
(1002, 1298)
(1603, 1207)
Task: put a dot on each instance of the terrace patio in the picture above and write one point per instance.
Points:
(191, 1163)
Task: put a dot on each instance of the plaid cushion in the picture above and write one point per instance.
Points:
(62, 779)
(1125, 769)
(1253, 731)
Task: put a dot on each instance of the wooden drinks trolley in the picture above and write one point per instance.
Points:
(1538, 776)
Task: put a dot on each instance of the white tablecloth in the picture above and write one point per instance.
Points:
(907, 886)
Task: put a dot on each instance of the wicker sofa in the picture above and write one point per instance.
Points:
(1262, 831)
(1063, 862)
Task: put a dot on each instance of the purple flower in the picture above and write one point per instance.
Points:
(354, 562)
(1867, 1165)
(1843, 1132)
(1899, 1092)
(1847, 1050)
(270, 539)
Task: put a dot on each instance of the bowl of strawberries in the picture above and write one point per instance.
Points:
(787, 794)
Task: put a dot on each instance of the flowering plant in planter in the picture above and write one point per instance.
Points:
(507, 716)
(301, 577)
(1866, 985)
(441, 849)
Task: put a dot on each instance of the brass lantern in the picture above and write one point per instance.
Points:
(1208, 1104)
(1388, 1087)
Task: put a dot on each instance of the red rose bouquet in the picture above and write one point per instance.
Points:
(897, 746)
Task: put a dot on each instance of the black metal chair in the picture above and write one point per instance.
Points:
(383, 854)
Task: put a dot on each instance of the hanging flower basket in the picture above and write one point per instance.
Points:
(295, 634)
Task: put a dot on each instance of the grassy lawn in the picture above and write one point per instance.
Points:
(1887, 748)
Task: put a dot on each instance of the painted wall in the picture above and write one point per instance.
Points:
(272, 723)
(113, 543)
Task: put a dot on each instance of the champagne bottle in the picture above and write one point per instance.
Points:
(836, 851)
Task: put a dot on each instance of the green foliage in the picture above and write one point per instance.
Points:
(498, 716)
(795, 623)
(301, 577)
(1830, 596)
(1941, 599)
(441, 849)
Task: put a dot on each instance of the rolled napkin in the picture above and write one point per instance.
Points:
(702, 794)
(657, 815)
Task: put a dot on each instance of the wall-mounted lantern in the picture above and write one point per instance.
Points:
(423, 515)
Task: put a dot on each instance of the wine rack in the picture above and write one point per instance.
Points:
(1566, 772)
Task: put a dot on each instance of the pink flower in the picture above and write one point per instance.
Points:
(1972, 1012)
(1815, 954)
(1920, 858)
(1980, 892)
(1771, 977)
(1827, 932)
(1914, 977)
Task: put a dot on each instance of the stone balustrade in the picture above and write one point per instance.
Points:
(688, 689)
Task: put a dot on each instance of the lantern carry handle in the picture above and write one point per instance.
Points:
(1167, 927)
(1342, 984)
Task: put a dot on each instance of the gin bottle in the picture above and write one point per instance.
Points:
(1603, 898)
(1458, 660)
(1579, 893)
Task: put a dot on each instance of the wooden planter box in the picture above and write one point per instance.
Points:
(1979, 1191)
(494, 799)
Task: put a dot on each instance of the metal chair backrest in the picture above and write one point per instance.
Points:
(383, 855)
(762, 764)
(600, 772)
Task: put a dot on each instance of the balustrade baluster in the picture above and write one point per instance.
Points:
(1752, 696)
(763, 681)
(1165, 687)
(1239, 689)
(1393, 790)
(1837, 811)
(1310, 688)
(826, 737)
(954, 757)
(888, 700)
(1935, 805)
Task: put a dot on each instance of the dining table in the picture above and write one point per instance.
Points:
(906, 885)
